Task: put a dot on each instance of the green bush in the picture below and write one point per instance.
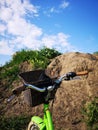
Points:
(14, 123)
(38, 59)
(49, 53)
(37, 56)
(90, 113)
(96, 52)
(9, 74)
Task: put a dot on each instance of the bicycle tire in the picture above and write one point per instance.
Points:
(33, 126)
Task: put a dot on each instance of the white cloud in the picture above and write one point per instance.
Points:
(58, 41)
(20, 27)
(5, 49)
(54, 10)
(5, 14)
(14, 27)
(64, 4)
(2, 28)
(16, 32)
(11, 7)
(48, 11)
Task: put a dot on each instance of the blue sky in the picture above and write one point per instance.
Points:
(66, 25)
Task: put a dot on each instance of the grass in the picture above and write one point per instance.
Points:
(90, 113)
(14, 123)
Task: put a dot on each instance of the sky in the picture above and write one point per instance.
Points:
(64, 25)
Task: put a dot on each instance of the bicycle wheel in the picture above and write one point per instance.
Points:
(33, 126)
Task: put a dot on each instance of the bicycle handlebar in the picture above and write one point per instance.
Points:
(35, 88)
(15, 92)
(19, 90)
(82, 73)
(57, 82)
(70, 75)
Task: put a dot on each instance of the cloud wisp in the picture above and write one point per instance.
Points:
(56, 9)
(64, 4)
(17, 31)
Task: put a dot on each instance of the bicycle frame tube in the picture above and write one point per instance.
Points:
(48, 118)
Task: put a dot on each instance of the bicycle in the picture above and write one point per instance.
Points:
(45, 123)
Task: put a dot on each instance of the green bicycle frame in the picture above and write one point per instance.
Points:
(46, 123)
(48, 118)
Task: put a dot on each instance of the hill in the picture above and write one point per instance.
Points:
(71, 97)
(72, 94)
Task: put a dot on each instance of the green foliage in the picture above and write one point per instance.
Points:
(49, 53)
(21, 56)
(14, 123)
(96, 52)
(9, 74)
(90, 113)
(12, 71)
(38, 59)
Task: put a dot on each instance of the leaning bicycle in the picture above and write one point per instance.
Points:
(43, 90)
